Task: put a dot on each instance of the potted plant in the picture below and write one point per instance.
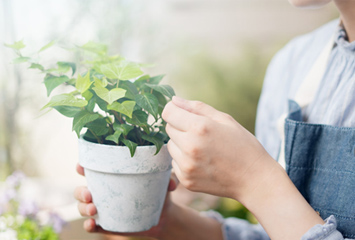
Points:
(116, 111)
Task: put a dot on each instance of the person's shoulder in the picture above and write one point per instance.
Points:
(310, 44)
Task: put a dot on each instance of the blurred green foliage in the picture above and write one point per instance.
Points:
(232, 86)
(230, 208)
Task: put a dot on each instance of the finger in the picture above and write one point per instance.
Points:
(87, 209)
(179, 118)
(177, 170)
(174, 179)
(198, 108)
(172, 185)
(90, 226)
(80, 169)
(82, 194)
(174, 182)
(175, 149)
(179, 141)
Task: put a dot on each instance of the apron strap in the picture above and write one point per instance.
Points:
(306, 92)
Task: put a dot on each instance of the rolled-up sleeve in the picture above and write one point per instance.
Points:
(238, 229)
(327, 231)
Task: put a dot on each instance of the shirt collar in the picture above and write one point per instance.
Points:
(341, 39)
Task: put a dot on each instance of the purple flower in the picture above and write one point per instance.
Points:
(28, 208)
(56, 221)
(7, 196)
(14, 180)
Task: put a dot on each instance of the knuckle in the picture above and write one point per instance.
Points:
(166, 111)
(188, 169)
(228, 117)
(197, 104)
(193, 151)
(81, 208)
(202, 127)
(189, 184)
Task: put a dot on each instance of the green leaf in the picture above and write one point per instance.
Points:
(98, 127)
(100, 82)
(163, 89)
(139, 118)
(122, 128)
(48, 45)
(125, 70)
(67, 111)
(83, 83)
(129, 70)
(148, 102)
(16, 45)
(94, 47)
(101, 103)
(66, 66)
(142, 81)
(162, 101)
(65, 99)
(130, 87)
(51, 82)
(91, 104)
(109, 96)
(21, 60)
(155, 80)
(63, 67)
(131, 145)
(82, 118)
(89, 136)
(110, 70)
(156, 140)
(125, 107)
(114, 137)
(37, 66)
(87, 95)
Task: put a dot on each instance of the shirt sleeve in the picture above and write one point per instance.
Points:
(238, 229)
(328, 231)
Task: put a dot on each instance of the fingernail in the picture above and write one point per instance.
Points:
(83, 196)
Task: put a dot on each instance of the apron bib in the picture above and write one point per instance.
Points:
(320, 159)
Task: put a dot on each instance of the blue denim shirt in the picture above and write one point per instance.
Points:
(333, 105)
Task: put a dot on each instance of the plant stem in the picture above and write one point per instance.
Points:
(97, 138)
(118, 117)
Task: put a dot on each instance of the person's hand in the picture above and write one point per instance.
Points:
(212, 152)
(88, 209)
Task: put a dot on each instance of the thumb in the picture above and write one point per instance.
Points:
(198, 108)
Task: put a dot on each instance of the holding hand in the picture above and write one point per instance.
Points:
(212, 152)
(88, 209)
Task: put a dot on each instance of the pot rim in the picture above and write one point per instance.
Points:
(118, 160)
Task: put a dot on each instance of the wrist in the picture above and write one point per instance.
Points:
(186, 223)
(277, 203)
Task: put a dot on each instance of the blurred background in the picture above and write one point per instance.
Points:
(215, 51)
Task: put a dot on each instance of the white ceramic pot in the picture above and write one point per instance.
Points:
(128, 192)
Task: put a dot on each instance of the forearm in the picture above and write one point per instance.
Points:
(278, 205)
(186, 223)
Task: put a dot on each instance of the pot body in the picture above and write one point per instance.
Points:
(128, 192)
